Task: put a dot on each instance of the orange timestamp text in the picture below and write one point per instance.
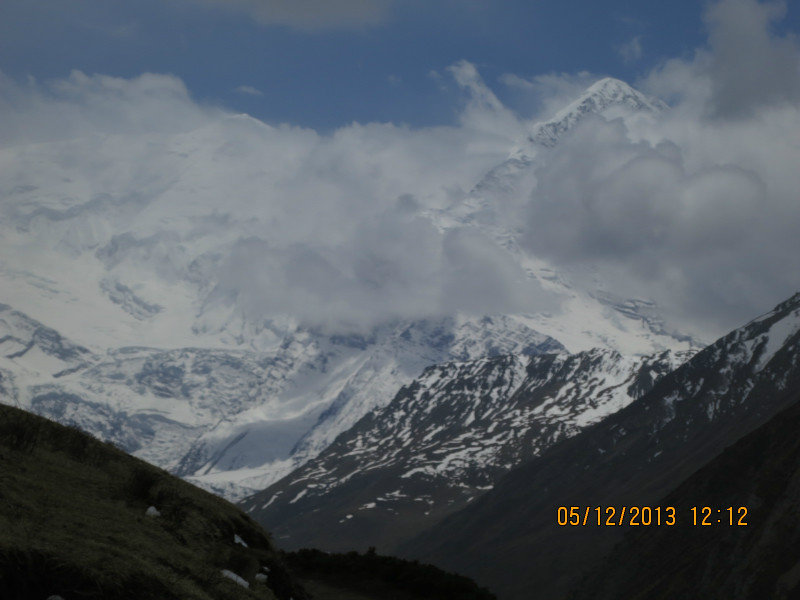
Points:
(647, 516)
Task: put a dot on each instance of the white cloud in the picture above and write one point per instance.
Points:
(484, 112)
(631, 51)
(438, 79)
(268, 220)
(248, 90)
(750, 68)
(699, 209)
(513, 80)
(547, 93)
(83, 105)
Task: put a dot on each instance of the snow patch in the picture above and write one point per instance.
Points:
(777, 337)
(235, 578)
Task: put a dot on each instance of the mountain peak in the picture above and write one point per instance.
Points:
(603, 95)
(607, 92)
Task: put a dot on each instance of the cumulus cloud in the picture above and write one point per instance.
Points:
(484, 111)
(393, 265)
(750, 68)
(745, 67)
(81, 105)
(698, 209)
(336, 230)
(311, 15)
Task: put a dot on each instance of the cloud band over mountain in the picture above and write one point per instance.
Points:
(697, 210)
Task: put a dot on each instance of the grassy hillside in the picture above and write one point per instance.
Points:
(73, 522)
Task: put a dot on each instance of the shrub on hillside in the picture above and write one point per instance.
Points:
(20, 432)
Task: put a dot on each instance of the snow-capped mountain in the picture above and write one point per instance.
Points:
(29, 347)
(445, 439)
(589, 315)
(350, 377)
(153, 254)
(634, 457)
(608, 97)
(220, 415)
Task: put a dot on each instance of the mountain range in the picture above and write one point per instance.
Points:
(445, 436)
(124, 321)
(634, 457)
(444, 440)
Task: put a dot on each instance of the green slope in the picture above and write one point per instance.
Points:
(73, 522)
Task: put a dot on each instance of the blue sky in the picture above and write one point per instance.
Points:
(353, 60)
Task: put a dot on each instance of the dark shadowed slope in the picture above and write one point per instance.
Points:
(372, 575)
(509, 539)
(81, 519)
(74, 522)
(718, 561)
